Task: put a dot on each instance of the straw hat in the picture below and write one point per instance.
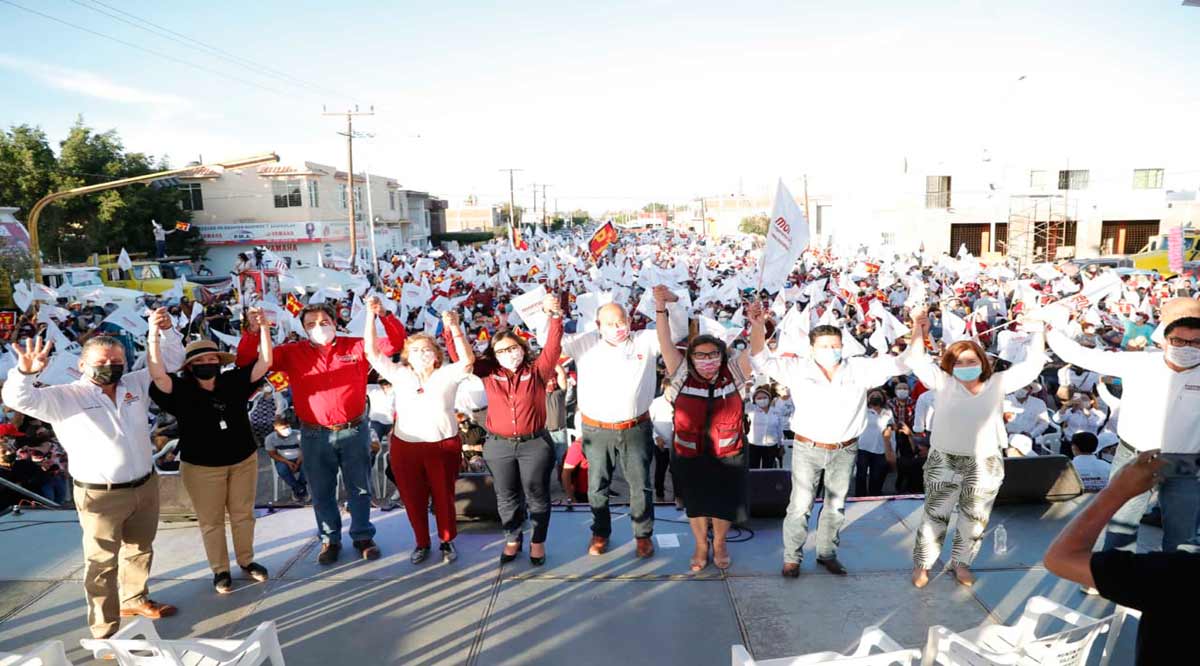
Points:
(201, 347)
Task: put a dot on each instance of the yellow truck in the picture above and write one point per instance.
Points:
(1153, 256)
(143, 275)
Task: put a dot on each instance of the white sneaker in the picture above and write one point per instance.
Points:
(1090, 591)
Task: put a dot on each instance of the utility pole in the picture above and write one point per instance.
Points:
(544, 226)
(806, 216)
(534, 186)
(512, 204)
(349, 134)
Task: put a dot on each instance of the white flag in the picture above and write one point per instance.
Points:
(787, 236)
(124, 261)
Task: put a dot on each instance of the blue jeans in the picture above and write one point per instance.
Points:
(559, 439)
(295, 480)
(1179, 498)
(55, 489)
(1122, 530)
(325, 452)
(808, 462)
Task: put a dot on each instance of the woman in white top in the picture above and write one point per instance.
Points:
(965, 466)
(766, 430)
(426, 451)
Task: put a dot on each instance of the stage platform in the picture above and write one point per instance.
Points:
(576, 610)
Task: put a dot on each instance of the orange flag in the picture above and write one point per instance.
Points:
(279, 380)
(293, 304)
(604, 236)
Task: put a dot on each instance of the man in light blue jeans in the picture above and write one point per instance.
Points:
(808, 461)
(325, 452)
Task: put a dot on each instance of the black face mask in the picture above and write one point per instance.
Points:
(107, 375)
(206, 370)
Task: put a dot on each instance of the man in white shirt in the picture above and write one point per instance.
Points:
(876, 451)
(101, 421)
(1025, 414)
(1093, 472)
(381, 406)
(1160, 403)
(831, 413)
(616, 375)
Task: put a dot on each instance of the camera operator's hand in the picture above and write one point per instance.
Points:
(1137, 477)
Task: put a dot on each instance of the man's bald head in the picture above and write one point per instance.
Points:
(613, 322)
(611, 312)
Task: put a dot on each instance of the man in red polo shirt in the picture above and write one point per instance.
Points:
(328, 377)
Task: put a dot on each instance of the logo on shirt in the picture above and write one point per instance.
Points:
(345, 358)
(130, 397)
(1191, 387)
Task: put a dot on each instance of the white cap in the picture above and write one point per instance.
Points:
(1022, 443)
(1106, 439)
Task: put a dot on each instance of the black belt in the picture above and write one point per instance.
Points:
(525, 438)
(337, 427)
(114, 486)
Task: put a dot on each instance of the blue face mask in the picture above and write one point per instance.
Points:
(968, 373)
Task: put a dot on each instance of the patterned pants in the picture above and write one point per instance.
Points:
(964, 481)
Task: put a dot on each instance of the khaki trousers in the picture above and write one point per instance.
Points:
(216, 491)
(118, 536)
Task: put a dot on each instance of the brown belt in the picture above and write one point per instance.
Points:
(828, 447)
(337, 427)
(619, 425)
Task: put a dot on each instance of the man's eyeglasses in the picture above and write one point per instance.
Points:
(512, 349)
(706, 356)
(1184, 342)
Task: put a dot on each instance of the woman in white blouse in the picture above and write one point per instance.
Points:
(426, 451)
(965, 465)
(766, 430)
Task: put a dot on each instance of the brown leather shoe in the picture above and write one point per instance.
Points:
(645, 547)
(151, 609)
(791, 570)
(598, 545)
(833, 566)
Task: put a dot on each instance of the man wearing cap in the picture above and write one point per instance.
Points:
(1160, 409)
(218, 452)
(328, 377)
(102, 422)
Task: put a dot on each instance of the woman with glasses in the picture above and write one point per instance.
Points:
(519, 451)
(709, 447)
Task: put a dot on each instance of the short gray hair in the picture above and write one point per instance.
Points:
(101, 342)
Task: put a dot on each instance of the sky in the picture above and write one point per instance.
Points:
(613, 104)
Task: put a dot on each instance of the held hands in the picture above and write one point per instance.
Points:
(551, 305)
(756, 313)
(159, 320)
(34, 357)
(375, 306)
(920, 323)
(450, 319)
(662, 296)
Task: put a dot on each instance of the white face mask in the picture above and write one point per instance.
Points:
(1021, 395)
(902, 393)
(762, 402)
(827, 357)
(322, 334)
(510, 362)
(1184, 357)
(284, 432)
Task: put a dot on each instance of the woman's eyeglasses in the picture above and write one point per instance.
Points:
(706, 356)
(507, 350)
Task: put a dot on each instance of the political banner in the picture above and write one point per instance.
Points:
(787, 236)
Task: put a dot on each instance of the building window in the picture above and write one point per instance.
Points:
(937, 191)
(287, 193)
(391, 200)
(1074, 179)
(1039, 179)
(342, 195)
(191, 198)
(1147, 179)
(314, 194)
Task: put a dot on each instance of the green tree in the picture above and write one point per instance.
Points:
(105, 222)
(505, 215)
(755, 224)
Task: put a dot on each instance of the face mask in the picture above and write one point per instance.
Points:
(284, 432)
(827, 357)
(968, 373)
(206, 370)
(763, 402)
(511, 361)
(1184, 357)
(421, 360)
(707, 368)
(107, 375)
(322, 334)
(1021, 395)
(902, 393)
(616, 336)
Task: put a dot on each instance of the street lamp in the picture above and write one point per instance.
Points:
(36, 211)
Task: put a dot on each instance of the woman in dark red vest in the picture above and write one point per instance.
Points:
(709, 456)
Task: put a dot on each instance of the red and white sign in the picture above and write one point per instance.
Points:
(273, 233)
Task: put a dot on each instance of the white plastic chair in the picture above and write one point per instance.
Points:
(872, 637)
(1019, 644)
(50, 653)
(138, 644)
(167, 448)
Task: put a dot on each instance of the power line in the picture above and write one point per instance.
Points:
(180, 38)
(153, 52)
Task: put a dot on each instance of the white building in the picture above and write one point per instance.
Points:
(300, 212)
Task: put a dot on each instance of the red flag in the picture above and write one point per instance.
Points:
(604, 236)
(293, 304)
(279, 380)
(483, 335)
(533, 270)
(183, 226)
(8, 321)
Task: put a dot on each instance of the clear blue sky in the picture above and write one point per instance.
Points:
(617, 101)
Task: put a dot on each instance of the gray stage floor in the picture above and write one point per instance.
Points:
(577, 609)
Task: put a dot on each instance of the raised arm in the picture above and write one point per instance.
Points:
(547, 363)
(1114, 364)
(265, 350)
(21, 395)
(370, 346)
(662, 327)
(917, 359)
(757, 315)
(154, 364)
